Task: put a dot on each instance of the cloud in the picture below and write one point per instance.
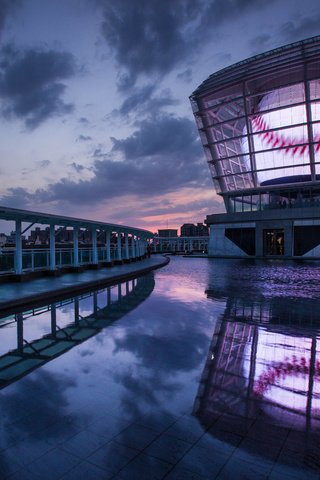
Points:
(185, 76)
(149, 37)
(162, 155)
(30, 84)
(302, 27)
(83, 138)
(153, 38)
(6, 7)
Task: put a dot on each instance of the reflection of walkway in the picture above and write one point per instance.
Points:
(261, 381)
(13, 295)
(31, 355)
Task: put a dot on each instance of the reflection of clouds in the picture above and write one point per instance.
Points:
(34, 403)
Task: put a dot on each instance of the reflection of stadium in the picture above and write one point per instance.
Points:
(259, 122)
(262, 370)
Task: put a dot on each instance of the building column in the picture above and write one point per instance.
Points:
(94, 246)
(137, 247)
(127, 245)
(52, 248)
(119, 256)
(75, 246)
(108, 246)
(133, 251)
(18, 251)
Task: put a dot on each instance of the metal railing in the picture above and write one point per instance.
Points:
(39, 258)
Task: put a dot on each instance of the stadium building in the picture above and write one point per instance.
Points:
(259, 122)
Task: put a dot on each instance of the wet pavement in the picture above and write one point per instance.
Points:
(203, 369)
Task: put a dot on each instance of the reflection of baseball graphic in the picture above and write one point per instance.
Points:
(278, 372)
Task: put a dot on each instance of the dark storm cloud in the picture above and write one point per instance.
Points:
(6, 7)
(148, 37)
(260, 42)
(43, 396)
(185, 76)
(153, 38)
(159, 157)
(301, 28)
(143, 102)
(30, 84)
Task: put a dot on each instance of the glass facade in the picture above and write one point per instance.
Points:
(259, 122)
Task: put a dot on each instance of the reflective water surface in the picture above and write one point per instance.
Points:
(204, 369)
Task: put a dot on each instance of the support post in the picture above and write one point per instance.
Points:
(52, 248)
(108, 246)
(119, 257)
(133, 251)
(94, 246)
(75, 246)
(18, 252)
(127, 245)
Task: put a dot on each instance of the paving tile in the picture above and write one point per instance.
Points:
(86, 471)
(144, 467)
(233, 424)
(186, 428)
(136, 436)
(266, 451)
(204, 462)
(25, 452)
(168, 448)
(112, 457)
(160, 421)
(83, 444)
(52, 465)
(181, 473)
(283, 471)
(108, 426)
(242, 470)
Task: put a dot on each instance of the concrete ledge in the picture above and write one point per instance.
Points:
(46, 290)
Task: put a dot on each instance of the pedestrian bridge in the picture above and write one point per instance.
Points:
(105, 243)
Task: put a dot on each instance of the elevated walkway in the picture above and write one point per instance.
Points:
(21, 295)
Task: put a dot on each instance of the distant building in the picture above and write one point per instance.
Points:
(169, 232)
(3, 239)
(191, 230)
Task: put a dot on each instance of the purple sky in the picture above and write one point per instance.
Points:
(96, 119)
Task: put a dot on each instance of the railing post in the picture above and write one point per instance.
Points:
(52, 248)
(18, 252)
(75, 246)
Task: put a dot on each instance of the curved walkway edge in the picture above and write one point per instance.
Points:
(14, 296)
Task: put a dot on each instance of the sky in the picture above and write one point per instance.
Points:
(96, 120)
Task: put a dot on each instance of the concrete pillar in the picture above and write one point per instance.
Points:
(108, 246)
(127, 245)
(133, 250)
(53, 320)
(75, 246)
(76, 310)
(52, 248)
(119, 256)
(94, 246)
(95, 303)
(137, 246)
(19, 320)
(18, 252)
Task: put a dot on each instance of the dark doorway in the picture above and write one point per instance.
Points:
(273, 242)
